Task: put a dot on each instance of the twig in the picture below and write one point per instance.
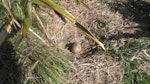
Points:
(39, 37)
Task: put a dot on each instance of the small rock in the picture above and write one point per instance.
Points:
(75, 47)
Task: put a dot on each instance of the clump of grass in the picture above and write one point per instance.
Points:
(34, 63)
(42, 64)
(134, 75)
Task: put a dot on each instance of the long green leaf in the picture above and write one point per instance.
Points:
(56, 7)
(89, 34)
(27, 22)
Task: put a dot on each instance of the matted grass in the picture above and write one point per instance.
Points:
(123, 37)
(126, 60)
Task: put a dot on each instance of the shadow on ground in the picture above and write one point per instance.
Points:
(136, 11)
(9, 70)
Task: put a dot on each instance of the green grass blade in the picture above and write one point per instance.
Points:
(30, 72)
(5, 4)
(27, 22)
(56, 7)
(89, 34)
(40, 3)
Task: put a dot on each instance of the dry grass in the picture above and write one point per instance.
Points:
(93, 65)
(98, 69)
(126, 49)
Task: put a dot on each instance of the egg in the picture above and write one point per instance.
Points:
(75, 47)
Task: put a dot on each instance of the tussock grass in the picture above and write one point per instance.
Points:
(31, 63)
(34, 63)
